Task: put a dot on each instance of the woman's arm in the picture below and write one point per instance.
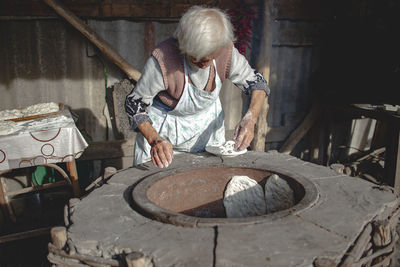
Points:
(250, 82)
(244, 76)
(161, 150)
(244, 131)
(148, 86)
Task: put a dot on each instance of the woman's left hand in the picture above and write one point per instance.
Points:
(244, 132)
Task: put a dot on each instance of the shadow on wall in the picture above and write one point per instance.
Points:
(48, 60)
(94, 159)
(48, 49)
(52, 49)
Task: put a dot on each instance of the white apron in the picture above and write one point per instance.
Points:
(196, 122)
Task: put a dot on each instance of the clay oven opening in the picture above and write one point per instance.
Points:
(194, 195)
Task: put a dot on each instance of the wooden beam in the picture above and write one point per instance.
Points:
(33, 189)
(24, 235)
(153, 10)
(99, 42)
(301, 130)
(263, 66)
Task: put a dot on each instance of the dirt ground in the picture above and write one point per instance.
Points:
(32, 251)
(27, 252)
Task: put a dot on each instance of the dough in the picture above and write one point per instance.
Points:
(244, 197)
(10, 114)
(42, 108)
(226, 149)
(278, 194)
(38, 109)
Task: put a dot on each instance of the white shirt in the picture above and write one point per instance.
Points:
(151, 83)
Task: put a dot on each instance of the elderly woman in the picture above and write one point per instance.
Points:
(175, 104)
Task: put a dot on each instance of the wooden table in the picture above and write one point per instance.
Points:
(44, 141)
(392, 121)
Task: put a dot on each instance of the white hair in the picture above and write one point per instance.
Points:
(202, 31)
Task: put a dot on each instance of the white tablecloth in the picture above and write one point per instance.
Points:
(46, 140)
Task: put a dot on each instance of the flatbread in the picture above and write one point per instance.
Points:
(226, 150)
(244, 197)
(37, 109)
(278, 194)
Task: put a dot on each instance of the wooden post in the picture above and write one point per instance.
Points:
(301, 130)
(24, 235)
(396, 167)
(149, 38)
(73, 175)
(137, 259)
(4, 201)
(315, 143)
(58, 236)
(99, 42)
(263, 66)
(392, 157)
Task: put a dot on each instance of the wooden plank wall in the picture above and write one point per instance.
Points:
(294, 59)
(131, 9)
(294, 56)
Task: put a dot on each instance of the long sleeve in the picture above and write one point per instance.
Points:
(148, 86)
(151, 83)
(244, 76)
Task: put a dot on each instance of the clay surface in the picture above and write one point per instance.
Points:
(106, 223)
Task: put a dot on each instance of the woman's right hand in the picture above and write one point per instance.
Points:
(161, 152)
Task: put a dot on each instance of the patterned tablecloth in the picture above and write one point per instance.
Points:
(40, 141)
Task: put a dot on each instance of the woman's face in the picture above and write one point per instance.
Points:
(205, 61)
